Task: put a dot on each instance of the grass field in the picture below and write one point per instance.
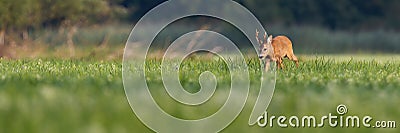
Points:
(53, 95)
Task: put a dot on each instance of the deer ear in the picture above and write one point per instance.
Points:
(270, 38)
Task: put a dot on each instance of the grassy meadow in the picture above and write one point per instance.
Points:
(61, 62)
(73, 95)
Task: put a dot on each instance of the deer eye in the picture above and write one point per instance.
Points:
(265, 49)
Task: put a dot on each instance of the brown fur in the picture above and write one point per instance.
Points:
(282, 47)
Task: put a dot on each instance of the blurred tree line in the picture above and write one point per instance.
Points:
(20, 17)
(332, 14)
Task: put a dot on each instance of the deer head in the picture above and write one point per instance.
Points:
(264, 45)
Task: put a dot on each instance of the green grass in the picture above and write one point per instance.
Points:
(53, 95)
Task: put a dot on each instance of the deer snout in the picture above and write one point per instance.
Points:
(260, 56)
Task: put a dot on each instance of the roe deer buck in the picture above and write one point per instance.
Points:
(281, 46)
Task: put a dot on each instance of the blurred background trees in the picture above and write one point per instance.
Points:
(27, 21)
(333, 14)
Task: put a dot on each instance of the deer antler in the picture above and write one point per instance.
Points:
(259, 42)
(265, 36)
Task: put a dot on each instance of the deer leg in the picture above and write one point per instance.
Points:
(292, 57)
(267, 64)
(278, 63)
(281, 62)
(296, 60)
